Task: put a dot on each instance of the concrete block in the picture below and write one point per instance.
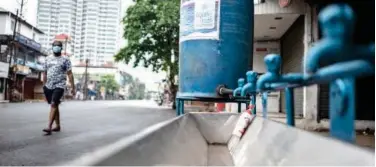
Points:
(274, 144)
(199, 139)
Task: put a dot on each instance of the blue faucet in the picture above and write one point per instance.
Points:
(272, 77)
(335, 52)
(250, 87)
(240, 86)
(338, 24)
(251, 83)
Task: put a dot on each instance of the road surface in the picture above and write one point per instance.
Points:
(85, 127)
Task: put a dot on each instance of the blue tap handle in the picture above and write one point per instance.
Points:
(272, 76)
(336, 47)
(273, 64)
(251, 83)
(240, 82)
(338, 23)
(240, 86)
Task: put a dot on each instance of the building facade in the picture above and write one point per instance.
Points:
(27, 59)
(93, 26)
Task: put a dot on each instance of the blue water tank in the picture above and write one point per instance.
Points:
(216, 45)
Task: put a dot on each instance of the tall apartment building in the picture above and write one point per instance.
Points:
(93, 25)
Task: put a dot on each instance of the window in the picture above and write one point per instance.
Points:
(12, 24)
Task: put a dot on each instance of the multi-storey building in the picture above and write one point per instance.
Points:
(93, 26)
(27, 58)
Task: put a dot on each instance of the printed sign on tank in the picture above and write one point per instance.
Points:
(199, 19)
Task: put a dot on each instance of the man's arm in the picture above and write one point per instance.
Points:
(44, 73)
(44, 77)
(71, 79)
(68, 66)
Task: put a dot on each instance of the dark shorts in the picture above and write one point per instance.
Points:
(53, 96)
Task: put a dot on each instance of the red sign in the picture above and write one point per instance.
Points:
(62, 37)
(284, 3)
(261, 49)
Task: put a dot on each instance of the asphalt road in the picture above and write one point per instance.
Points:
(85, 127)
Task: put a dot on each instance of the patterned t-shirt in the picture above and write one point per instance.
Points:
(56, 68)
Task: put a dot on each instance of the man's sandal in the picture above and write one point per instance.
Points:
(57, 129)
(47, 131)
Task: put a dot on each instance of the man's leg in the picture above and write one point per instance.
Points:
(57, 120)
(52, 116)
(48, 94)
(56, 99)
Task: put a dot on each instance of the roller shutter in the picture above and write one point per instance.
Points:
(292, 44)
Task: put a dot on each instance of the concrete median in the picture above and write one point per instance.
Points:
(200, 139)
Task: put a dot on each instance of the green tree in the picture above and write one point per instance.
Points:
(109, 83)
(126, 78)
(151, 28)
(136, 90)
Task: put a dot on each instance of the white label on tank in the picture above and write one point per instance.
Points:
(204, 14)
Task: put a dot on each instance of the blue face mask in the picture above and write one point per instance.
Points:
(56, 49)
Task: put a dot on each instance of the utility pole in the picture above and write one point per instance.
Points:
(22, 4)
(12, 48)
(66, 45)
(86, 79)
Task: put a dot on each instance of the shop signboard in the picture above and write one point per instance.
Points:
(20, 69)
(28, 42)
(4, 69)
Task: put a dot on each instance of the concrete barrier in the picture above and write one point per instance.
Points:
(200, 139)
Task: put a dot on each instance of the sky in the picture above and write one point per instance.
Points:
(30, 14)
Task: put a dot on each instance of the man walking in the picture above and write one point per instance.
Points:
(56, 69)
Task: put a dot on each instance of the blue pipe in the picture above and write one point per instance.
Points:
(290, 113)
(355, 68)
(265, 104)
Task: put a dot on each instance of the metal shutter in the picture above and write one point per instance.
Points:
(292, 44)
(323, 101)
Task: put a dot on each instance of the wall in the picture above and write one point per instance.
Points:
(5, 28)
(4, 23)
(258, 56)
(272, 7)
(311, 93)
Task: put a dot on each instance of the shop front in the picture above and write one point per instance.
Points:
(18, 86)
(33, 86)
(4, 68)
